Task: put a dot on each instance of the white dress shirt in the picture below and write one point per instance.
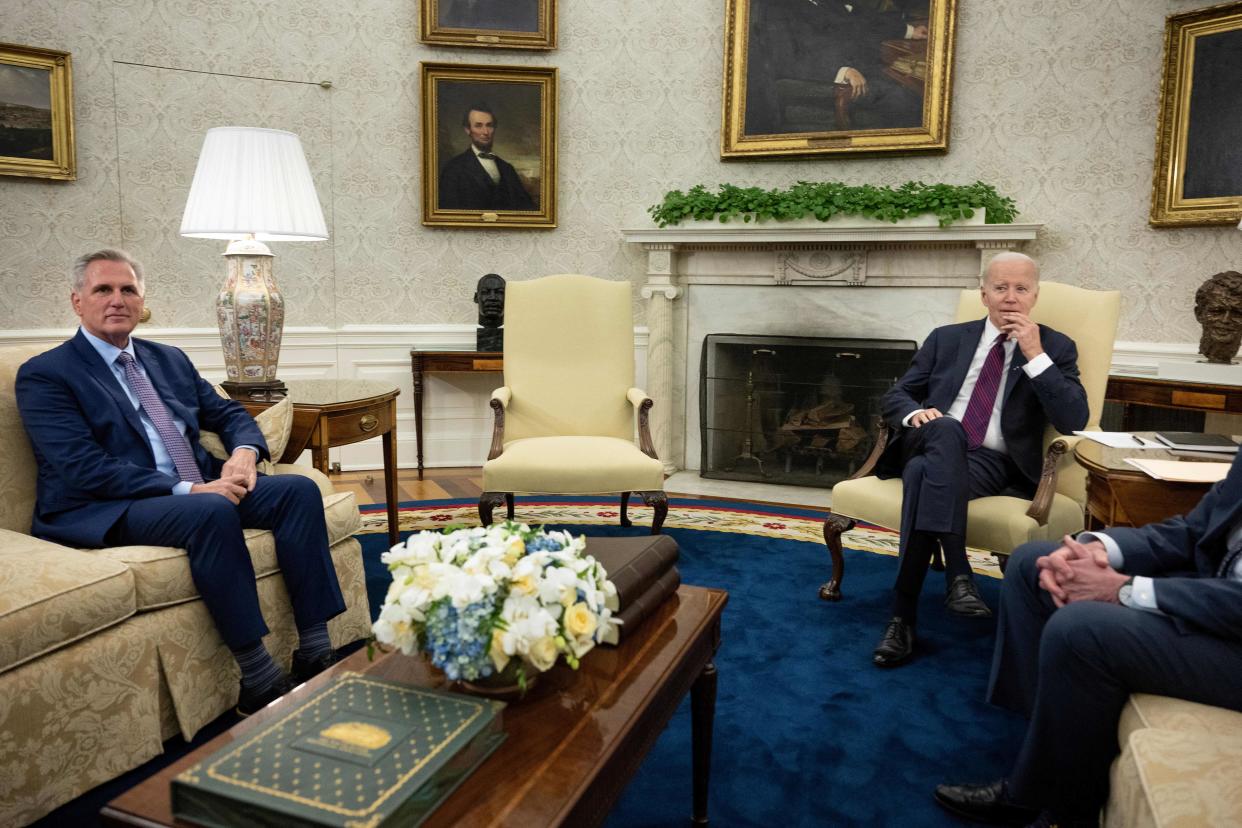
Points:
(489, 164)
(993, 438)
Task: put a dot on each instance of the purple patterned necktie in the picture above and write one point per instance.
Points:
(983, 398)
(174, 441)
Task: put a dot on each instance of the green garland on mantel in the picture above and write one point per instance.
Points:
(948, 202)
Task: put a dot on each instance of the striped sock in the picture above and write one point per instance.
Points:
(313, 642)
(259, 671)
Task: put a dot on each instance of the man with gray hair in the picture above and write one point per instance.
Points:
(967, 420)
(115, 421)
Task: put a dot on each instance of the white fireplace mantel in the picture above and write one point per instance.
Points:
(772, 255)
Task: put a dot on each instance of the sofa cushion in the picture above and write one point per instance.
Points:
(162, 573)
(1145, 710)
(573, 465)
(18, 471)
(51, 595)
(1176, 778)
(276, 424)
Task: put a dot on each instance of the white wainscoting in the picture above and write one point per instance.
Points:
(457, 422)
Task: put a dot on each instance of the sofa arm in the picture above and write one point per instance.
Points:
(321, 480)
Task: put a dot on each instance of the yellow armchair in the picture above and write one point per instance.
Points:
(566, 417)
(1001, 523)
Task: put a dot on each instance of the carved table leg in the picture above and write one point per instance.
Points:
(702, 718)
(509, 505)
(834, 526)
(625, 509)
(487, 502)
(658, 501)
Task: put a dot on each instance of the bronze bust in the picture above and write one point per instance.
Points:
(1218, 308)
(489, 295)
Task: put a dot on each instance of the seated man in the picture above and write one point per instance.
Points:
(1082, 626)
(114, 422)
(999, 381)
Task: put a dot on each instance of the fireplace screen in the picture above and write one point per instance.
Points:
(789, 409)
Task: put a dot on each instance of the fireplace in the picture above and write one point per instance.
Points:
(795, 410)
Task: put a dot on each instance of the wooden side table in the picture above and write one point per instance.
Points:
(331, 413)
(1120, 495)
(430, 362)
(1168, 393)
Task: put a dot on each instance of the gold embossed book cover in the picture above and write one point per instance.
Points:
(359, 752)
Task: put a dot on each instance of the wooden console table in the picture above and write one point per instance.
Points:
(1170, 393)
(331, 413)
(431, 362)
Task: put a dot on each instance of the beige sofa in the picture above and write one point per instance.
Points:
(106, 653)
(1178, 765)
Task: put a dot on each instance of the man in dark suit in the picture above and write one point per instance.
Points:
(115, 423)
(1156, 609)
(969, 418)
(478, 179)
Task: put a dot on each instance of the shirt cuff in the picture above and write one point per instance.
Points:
(905, 421)
(909, 31)
(183, 487)
(840, 78)
(1115, 559)
(257, 453)
(1037, 365)
(1143, 594)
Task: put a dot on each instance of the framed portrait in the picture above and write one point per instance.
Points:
(1198, 176)
(498, 24)
(489, 145)
(826, 77)
(36, 113)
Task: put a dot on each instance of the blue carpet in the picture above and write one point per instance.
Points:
(807, 732)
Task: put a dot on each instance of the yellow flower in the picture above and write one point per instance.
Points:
(517, 547)
(543, 653)
(525, 584)
(497, 653)
(579, 620)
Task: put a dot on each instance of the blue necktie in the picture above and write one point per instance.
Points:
(174, 441)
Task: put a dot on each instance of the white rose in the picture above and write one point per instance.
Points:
(543, 653)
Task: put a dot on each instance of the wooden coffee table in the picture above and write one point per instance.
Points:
(573, 744)
(1118, 494)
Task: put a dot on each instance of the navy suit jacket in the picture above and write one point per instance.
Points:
(465, 185)
(92, 450)
(939, 368)
(1185, 553)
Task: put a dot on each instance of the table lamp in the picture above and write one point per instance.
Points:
(252, 186)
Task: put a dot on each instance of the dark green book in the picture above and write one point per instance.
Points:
(361, 751)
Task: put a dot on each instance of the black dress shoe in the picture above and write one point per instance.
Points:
(250, 702)
(963, 598)
(896, 646)
(304, 669)
(989, 804)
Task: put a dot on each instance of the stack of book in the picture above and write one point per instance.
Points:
(644, 570)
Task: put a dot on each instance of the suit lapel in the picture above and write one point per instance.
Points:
(101, 373)
(163, 387)
(967, 344)
(1015, 372)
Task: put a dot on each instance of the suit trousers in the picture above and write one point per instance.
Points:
(1071, 670)
(939, 478)
(209, 528)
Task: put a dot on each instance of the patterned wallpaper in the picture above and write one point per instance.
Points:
(1054, 102)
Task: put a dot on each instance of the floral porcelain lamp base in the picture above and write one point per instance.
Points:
(251, 314)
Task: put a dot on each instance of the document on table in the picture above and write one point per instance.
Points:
(1179, 471)
(1121, 439)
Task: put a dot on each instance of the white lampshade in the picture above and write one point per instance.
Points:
(253, 181)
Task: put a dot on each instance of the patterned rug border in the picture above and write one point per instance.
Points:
(739, 517)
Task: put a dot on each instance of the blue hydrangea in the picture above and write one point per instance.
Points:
(459, 641)
(542, 543)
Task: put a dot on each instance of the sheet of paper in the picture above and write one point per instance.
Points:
(1120, 439)
(1179, 471)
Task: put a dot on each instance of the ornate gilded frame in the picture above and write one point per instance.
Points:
(932, 135)
(1169, 205)
(62, 164)
(450, 85)
(436, 26)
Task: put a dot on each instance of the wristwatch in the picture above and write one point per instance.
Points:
(1124, 592)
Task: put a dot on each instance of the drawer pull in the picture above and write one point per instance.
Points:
(368, 422)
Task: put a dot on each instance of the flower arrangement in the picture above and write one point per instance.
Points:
(504, 598)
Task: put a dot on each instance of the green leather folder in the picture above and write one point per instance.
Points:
(359, 752)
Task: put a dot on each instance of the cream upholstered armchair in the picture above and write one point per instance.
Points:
(565, 417)
(1001, 523)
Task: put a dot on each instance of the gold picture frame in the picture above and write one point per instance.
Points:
(36, 113)
(835, 78)
(1198, 175)
(495, 24)
(489, 145)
